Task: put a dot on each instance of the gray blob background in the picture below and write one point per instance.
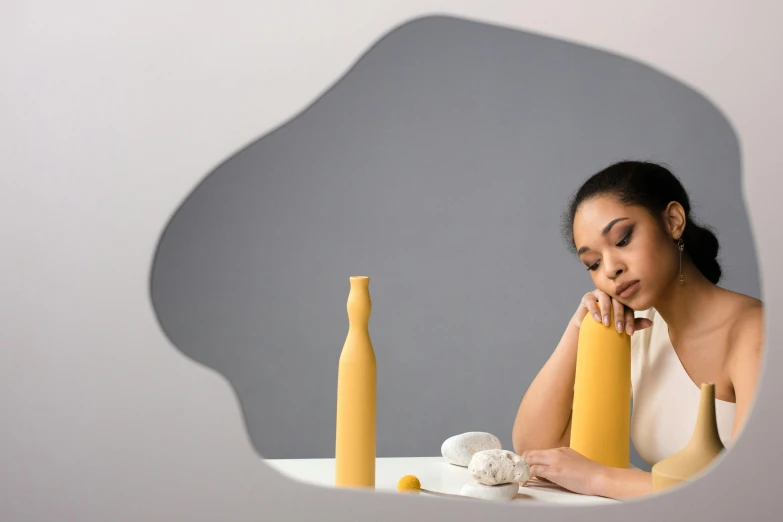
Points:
(439, 166)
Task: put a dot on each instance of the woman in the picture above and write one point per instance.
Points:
(627, 225)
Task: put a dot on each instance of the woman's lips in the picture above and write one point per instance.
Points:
(626, 290)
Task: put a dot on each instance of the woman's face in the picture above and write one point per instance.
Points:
(628, 255)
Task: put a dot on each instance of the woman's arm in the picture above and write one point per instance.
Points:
(544, 415)
(620, 483)
(745, 363)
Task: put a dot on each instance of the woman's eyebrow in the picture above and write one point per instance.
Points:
(605, 231)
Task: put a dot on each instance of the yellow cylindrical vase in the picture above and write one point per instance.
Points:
(356, 395)
(601, 417)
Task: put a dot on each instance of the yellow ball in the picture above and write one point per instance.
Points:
(409, 483)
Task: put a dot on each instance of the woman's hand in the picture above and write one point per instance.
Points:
(599, 304)
(566, 468)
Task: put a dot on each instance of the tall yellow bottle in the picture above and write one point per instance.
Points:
(601, 417)
(356, 395)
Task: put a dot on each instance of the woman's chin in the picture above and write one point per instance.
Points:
(637, 302)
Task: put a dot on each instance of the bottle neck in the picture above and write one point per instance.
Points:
(359, 305)
(706, 428)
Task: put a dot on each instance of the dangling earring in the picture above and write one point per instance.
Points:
(681, 246)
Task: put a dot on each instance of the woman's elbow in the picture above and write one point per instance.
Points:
(519, 440)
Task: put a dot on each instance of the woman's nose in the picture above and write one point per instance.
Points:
(613, 269)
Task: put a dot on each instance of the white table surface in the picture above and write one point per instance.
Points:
(434, 473)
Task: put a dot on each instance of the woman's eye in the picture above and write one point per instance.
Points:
(594, 266)
(625, 240)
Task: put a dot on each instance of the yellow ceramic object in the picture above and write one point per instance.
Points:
(356, 395)
(705, 445)
(601, 417)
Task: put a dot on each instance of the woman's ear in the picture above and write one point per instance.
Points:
(674, 219)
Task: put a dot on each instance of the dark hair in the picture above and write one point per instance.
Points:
(653, 187)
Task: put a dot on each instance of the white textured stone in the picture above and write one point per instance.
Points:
(498, 466)
(502, 492)
(459, 449)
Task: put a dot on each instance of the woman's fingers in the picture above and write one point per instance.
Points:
(640, 323)
(544, 464)
(600, 306)
(629, 321)
(604, 304)
(548, 473)
(533, 457)
(619, 315)
(540, 457)
(580, 314)
(589, 302)
(537, 471)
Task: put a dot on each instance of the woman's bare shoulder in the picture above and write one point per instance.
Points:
(745, 349)
(747, 311)
(746, 331)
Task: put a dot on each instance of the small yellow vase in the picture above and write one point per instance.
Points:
(601, 417)
(704, 446)
(356, 395)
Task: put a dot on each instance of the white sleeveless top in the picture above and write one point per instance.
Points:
(665, 399)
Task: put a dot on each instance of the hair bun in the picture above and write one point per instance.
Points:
(702, 246)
